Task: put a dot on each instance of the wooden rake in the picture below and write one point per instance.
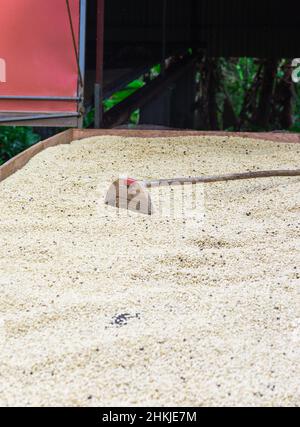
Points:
(132, 194)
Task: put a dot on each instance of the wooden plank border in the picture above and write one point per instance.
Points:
(70, 135)
(280, 137)
(18, 162)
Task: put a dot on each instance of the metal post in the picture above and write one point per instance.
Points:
(82, 37)
(82, 51)
(99, 64)
(164, 36)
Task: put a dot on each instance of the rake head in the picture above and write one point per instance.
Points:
(128, 193)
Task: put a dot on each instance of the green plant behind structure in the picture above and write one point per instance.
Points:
(14, 140)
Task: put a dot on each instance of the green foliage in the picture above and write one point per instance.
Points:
(14, 140)
(135, 117)
(239, 81)
(120, 96)
(123, 94)
(155, 71)
(115, 99)
(89, 118)
(239, 74)
(296, 126)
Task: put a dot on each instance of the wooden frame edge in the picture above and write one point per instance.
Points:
(18, 162)
(280, 137)
(66, 137)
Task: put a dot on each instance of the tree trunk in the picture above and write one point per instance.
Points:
(262, 117)
(229, 117)
(206, 106)
(249, 103)
(287, 88)
(212, 94)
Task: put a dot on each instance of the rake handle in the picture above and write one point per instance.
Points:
(220, 178)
